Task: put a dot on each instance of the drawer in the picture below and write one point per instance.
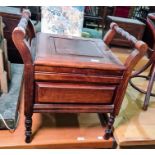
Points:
(73, 93)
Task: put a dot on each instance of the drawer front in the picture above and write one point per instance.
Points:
(73, 93)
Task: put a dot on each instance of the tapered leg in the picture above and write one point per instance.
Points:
(28, 126)
(109, 129)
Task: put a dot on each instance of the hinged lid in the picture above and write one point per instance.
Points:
(54, 50)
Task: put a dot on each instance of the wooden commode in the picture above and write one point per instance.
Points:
(72, 75)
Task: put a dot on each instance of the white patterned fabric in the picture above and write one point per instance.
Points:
(63, 20)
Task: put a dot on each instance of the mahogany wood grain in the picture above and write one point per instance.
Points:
(86, 71)
(72, 74)
(18, 36)
(76, 53)
(73, 108)
(73, 93)
(46, 76)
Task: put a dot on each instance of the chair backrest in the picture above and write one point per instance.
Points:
(63, 20)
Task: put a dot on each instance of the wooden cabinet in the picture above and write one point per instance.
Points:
(80, 77)
(11, 17)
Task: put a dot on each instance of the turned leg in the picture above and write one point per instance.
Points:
(28, 100)
(28, 126)
(109, 128)
(103, 118)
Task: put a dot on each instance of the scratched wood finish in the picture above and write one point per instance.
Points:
(71, 74)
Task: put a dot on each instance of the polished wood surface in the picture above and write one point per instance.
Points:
(73, 93)
(70, 59)
(74, 52)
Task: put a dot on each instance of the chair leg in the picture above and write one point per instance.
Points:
(109, 129)
(28, 126)
(151, 70)
(28, 100)
(149, 90)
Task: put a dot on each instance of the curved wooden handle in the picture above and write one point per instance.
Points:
(123, 33)
(131, 61)
(140, 46)
(114, 28)
(26, 14)
(22, 36)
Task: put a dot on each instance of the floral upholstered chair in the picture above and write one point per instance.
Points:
(63, 20)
